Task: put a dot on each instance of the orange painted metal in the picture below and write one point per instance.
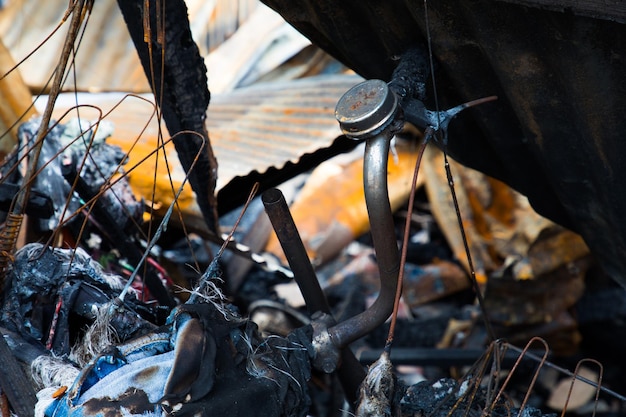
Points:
(330, 210)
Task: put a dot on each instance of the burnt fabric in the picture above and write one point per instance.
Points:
(204, 361)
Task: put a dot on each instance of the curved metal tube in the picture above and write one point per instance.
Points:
(385, 245)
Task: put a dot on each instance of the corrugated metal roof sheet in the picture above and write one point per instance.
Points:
(270, 124)
(106, 59)
(105, 43)
(251, 129)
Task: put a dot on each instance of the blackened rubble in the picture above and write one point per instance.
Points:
(52, 293)
(203, 360)
(75, 145)
(78, 171)
(448, 397)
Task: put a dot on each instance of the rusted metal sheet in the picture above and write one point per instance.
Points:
(330, 210)
(260, 45)
(276, 123)
(257, 130)
(265, 128)
(556, 131)
(16, 102)
(24, 24)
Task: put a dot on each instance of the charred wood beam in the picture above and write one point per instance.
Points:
(177, 74)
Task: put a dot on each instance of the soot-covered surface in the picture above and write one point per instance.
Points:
(555, 133)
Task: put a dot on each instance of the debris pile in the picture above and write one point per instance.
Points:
(122, 292)
(96, 339)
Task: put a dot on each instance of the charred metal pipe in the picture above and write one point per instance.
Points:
(369, 111)
(289, 238)
(385, 244)
(351, 373)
